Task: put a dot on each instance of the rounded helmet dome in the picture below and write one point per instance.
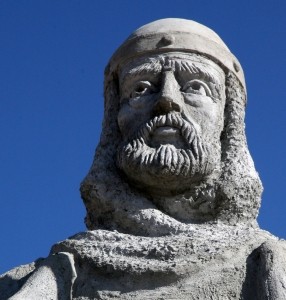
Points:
(169, 35)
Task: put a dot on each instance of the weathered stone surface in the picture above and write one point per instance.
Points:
(13, 280)
(205, 263)
(172, 196)
(52, 279)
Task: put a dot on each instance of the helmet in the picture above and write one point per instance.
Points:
(180, 35)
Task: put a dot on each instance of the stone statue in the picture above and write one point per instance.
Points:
(172, 195)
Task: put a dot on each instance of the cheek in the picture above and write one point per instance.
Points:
(130, 119)
(124, 119)
(213, 120)
(208, 117)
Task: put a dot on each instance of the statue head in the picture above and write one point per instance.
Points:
(170, 119)
(173, 150)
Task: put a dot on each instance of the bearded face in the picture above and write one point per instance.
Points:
(170, 118)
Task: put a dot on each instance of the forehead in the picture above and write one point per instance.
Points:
(151, 65)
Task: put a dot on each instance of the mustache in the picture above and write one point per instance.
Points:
(186, 128)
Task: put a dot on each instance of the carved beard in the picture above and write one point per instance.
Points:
(165, 168)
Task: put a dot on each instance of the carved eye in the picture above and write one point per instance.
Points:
(142, 88)
(196, 87)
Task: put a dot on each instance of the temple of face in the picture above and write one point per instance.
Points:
(172, 195)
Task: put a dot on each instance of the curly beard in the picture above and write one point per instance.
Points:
(166, 168)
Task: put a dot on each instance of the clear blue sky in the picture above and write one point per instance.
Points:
(52, 57)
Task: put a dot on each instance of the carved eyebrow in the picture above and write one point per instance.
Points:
(153, 67)
(192, 68)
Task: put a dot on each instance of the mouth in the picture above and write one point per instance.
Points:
(167, 135)
(167, 129)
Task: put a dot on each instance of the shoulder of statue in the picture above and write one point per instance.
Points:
(266, 271)
(57, 272)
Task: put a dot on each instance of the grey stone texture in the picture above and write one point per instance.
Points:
(172, 195)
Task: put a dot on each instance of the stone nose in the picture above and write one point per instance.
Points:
(170, 98)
